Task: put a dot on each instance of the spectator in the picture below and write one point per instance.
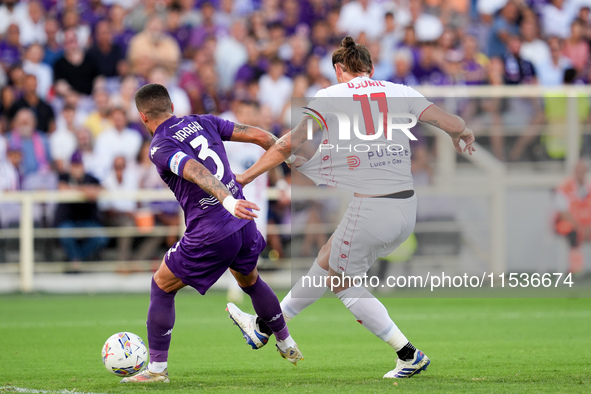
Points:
(189, 14)
(504, 26)
(98, 120)
(11, 158)
(45, 117)
(403, 65)
(208, 27)
(390, 37)
(85, 146)
(122, 34)
(474, 64)
(320, 38)
(33, 64)
(121, 178)
(33, 30)
(230, 54)
(71, 21)
(382, 67)
(533, 49)
(427, 70)
(253, 68)
(93, 12)
(180, 31)
(426, 26)
(125, 97)
(13, 12)
(517, 70)
(62, 142)
(143, 12)
(572, 202)
(206, 96)
(36, 156)
(104, 53)
(556, 18)
(575, 47)
(10, 180)
(71, 216)
(551, 72)
(74, 69)
(118, 141)
(291, 18)
(11, 92)
(53, 45)
(365, 16)
(153, 47)
(10, 53)
(275, 87)
(298, 59)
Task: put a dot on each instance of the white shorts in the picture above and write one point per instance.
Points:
(370, 228)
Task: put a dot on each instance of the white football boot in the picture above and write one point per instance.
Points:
(248, 325)
(406, 369)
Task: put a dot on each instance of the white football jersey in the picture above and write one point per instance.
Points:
(367, 153)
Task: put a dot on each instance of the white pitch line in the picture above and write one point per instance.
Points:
(12, 389)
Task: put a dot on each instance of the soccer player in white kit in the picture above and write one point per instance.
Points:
(381, 215)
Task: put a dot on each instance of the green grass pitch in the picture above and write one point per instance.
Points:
(53, 343)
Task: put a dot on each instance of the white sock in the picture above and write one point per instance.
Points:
(286, 343)
(398, 340)
(305, 292)
(372, 314)
(157, 367)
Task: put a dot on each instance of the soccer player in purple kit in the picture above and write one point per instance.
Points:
(189, 155)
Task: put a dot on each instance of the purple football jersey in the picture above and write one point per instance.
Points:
(199, 137)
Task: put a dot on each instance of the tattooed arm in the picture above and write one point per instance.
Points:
(197, 173)
(452, 125)
(255, 135)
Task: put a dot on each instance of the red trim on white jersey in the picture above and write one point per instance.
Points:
(424, 111)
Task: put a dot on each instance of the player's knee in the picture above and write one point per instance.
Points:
(166, 280)
(245, 280)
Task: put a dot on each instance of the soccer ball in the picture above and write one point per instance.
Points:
(124, 354)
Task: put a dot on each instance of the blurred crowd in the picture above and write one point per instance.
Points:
(69, 70)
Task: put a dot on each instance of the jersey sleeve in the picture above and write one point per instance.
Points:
(225, 128)
(417, 103)
(319, 102)
(168, 156)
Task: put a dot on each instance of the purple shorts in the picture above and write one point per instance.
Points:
(200, 267)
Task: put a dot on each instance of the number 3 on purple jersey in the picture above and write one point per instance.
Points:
(205, 152)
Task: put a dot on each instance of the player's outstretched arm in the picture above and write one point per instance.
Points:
(274, 156)
(278, 153)
(254, 135)
(197, 173)
(452, 125)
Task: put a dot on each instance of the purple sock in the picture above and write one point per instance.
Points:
(266, 306)
(160, 322)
